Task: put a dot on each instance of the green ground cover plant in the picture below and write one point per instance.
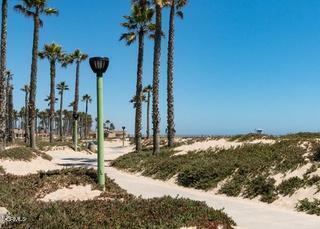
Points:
(250, 137)
(288, 187)
(310, 207)
(2, 171)
(23, 154)
(120, 210)
(238, 166)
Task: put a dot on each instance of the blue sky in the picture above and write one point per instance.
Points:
(239, 64)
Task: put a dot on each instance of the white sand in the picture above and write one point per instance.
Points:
(289, 202)
(28, 167)
(65, 157)
(216, 144)
(72, 193)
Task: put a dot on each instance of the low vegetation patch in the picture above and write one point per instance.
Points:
(238, 166)
(302, 136)
(23, 154)
(2, 171)
(288, 187)
(250, 137)
(310, 207)
(19, 194)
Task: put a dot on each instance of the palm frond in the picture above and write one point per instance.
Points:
(180, 14)
(51, 11)
(23, 10)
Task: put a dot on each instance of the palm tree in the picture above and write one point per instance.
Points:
(3, 59)
(48, 99)
(78, 57)
(148, 90)
(53, 52)
(33, 9)
(87, 99)
(61, 87)
(156, 76)
(26, 90)
(138, 25)
(175, 9)
(9, 107)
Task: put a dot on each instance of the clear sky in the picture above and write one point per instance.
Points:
(239, 64)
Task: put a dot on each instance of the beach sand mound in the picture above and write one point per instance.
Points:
(72, 193)
(217, 144)
(22, 168)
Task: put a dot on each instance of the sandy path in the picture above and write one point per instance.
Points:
(247, 214)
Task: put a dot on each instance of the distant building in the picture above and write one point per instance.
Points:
(110, 134)
(258, 131)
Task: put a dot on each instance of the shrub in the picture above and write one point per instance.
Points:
(316, 155)
(310, 207)
(288, 187)
(263, 186)
(2, 171)
(19, 195)
(233, 187)
(23, 154)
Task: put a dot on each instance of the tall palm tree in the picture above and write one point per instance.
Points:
(138, 25)
(26, 90)
(3, 59)
(175, 10)
(34, 9)
(148, 91)
(9, 103)
(53, 52)
(76, 57)
(87, 99)
(156, 76)
(61, 87)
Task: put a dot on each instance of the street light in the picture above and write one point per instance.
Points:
(123, 135)
(75, 133)
(99, 65)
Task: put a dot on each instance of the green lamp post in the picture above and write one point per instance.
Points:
(99, 65)
(75, 131)
(123, 135)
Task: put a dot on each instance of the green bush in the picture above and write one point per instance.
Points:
(2, 171)
(23, 154)
(310, 207)
(19, 195)
(249, 137)
(288, 187)
(234, 186)
(261, 186)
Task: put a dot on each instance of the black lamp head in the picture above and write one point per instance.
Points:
(99, 65)
(123, 127)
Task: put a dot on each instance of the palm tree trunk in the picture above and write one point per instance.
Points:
(60, 115)
(3, 56)
(10, 113)
(138, 117)
(26, 129)
(33, 80)
(156, 76)
(76, 98)
(148, 115)
(52, 96)
(170, 98)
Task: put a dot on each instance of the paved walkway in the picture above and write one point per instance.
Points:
(245, 213)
